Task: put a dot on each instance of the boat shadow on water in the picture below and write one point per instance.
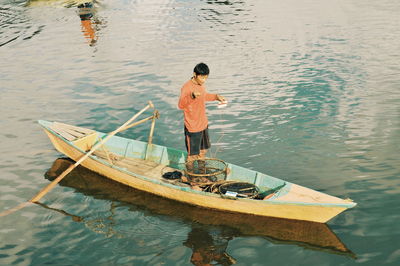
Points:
(310, 235)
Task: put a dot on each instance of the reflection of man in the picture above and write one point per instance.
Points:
(209, 247)
(86, 12)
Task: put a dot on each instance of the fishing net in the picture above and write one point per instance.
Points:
(234, 189)
(209, 169)
(240, 189)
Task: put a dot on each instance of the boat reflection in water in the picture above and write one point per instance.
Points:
(207, 244)
(87, 12)
(89, 22)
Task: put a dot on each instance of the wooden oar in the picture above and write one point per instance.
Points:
(69, 169)
(156, 116)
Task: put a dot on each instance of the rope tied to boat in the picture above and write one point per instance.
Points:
(236, 189)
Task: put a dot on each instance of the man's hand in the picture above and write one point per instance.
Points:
(220, 98)
(195, 94)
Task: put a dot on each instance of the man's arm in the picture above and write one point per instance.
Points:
(214, 97)
(185, 99)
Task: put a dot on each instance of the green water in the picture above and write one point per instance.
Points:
(314, 98)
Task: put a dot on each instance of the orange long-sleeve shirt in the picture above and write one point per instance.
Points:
(194, 110)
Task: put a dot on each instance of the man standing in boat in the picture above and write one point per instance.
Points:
(193, 103)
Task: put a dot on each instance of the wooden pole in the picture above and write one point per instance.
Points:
(137, 123)
(156, 115)
(107, 154)
(153, 123)
(46, 189)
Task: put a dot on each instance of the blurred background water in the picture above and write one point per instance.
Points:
(314, 98)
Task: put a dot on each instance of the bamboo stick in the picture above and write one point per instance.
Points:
(153, 123)
(107, 154)
(46, 189)
(156, 115)
(137, 123)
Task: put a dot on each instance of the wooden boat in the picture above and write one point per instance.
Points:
(57, 3)
(309, 235)
(140, 165)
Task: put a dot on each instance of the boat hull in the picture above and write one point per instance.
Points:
(282, 231)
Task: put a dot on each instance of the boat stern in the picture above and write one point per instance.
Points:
(81, 138)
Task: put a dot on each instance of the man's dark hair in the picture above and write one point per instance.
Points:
(201, 69)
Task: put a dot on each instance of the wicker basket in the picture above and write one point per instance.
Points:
(210, 169)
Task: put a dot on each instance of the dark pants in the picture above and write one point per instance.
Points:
(196, 141)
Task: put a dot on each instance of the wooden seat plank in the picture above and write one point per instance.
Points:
(62, 133)
(75, 133)
(85, 131)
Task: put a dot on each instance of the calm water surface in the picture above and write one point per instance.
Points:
(314, 94)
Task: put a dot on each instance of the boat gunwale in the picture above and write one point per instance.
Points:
(185, 189)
